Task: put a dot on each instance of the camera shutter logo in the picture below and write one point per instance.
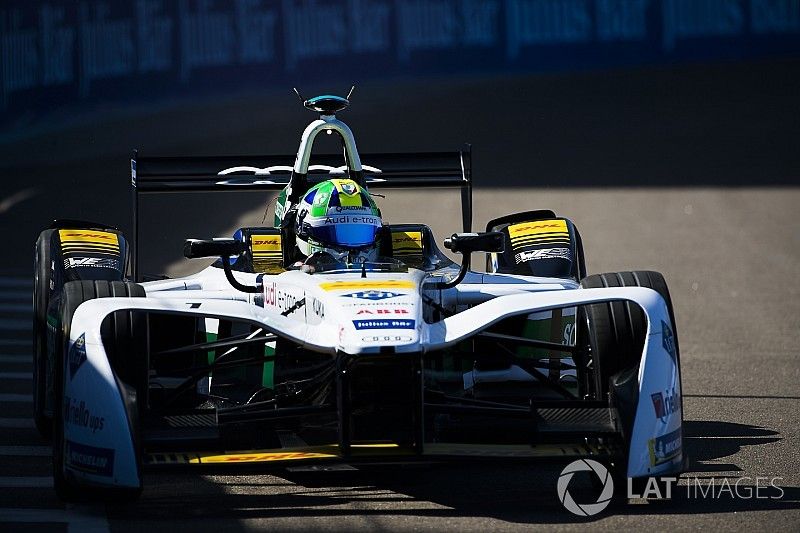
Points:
(585, 509)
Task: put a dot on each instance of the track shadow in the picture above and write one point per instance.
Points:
(517, 493)
(706, 441)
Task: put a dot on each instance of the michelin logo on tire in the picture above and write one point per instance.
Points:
(585, 509)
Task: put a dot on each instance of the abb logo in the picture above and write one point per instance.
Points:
(383, 312)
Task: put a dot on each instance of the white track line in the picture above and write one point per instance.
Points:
(27, 451)
(15, 282)
(16, 308)
(16, 375)
(25, 482)
(15, 324)
(17, 296)
(17, 423)
(16, 342)
(78, 519)
(16, 359)
(16, 398)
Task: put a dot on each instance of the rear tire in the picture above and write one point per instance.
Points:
(123, 330)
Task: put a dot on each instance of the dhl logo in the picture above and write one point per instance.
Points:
(81, 240)
(516, 231)
(265, 244)
(88, 236)
(415, 237)
(408, 242)
(540, 226)
(262, 457)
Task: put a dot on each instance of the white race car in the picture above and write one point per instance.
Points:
(334, 336)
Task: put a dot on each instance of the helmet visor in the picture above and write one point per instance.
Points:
(345, 235)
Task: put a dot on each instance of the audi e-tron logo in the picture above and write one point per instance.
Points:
(585, 509)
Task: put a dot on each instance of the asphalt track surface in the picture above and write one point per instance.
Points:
(730, 254)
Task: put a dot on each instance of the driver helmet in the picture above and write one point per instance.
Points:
(339, 217)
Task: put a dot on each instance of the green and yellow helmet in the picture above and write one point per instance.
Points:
(337, 214)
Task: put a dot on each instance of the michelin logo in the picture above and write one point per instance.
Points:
(89, 459)
(665, 448)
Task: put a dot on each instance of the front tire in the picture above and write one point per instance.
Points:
(124, 331)
(616, 335)
(42, 273)
(617, 329)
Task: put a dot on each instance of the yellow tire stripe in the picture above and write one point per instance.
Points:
(86, 250)
(542, 234)
(90, 249)
(71, 244)
(549, 234)
(541, 241)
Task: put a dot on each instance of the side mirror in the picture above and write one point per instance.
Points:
(224, 249)
(195, 248)
(466, 243)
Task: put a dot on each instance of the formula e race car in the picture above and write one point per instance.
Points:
(335, 337)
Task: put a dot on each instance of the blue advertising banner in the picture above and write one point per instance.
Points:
(64, 52)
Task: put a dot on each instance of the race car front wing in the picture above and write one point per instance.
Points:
(100, 442)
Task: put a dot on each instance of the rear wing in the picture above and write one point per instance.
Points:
(157, 175)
